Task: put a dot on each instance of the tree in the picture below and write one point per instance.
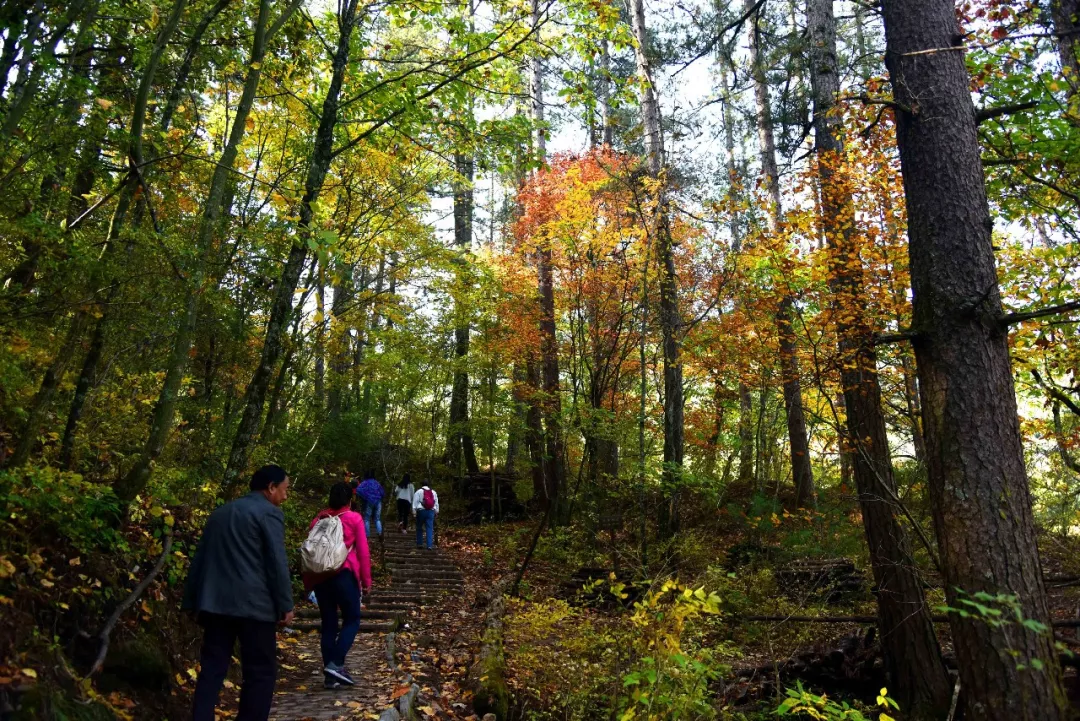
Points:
(801, 472)
(660, 236)
(916, 672)
(978, 483)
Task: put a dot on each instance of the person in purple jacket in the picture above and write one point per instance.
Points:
(371, 493)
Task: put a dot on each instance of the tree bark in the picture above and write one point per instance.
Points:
(802, 474)
(459, 442)
(669, 317)
(321, 156)
(978, 483)
(918, 679)
(1066, 18)
(554, 473)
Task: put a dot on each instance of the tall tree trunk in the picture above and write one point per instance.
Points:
(554, 472)
(534, 430)
(670, 320)
(802, 474)
(459, 441)
(87, 378)
(1066, 18)
(201, 277)
(746, 406)
(917, 675)
(321, 156)
(978, 484)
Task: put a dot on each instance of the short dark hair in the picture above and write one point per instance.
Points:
(268, 475)
(340, 495)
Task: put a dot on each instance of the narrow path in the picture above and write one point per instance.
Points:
(419, 579)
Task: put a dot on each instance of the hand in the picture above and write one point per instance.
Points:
(287, 618)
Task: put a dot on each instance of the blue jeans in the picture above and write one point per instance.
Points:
(372, 511)
(341, 591)
(425, 524)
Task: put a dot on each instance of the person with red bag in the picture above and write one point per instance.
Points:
(426, 506)
(341, 588)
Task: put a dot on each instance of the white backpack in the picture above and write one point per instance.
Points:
(324, 550)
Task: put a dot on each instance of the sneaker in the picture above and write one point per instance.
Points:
(329, 682)
(339, 673)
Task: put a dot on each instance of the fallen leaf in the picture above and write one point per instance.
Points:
(29, 673)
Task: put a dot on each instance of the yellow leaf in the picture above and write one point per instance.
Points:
(29, 673)
(104, 104)
(47, 583)
(7, 568)
(75, 561)
(427, 710)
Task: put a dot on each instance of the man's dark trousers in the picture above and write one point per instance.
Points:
(258, 664)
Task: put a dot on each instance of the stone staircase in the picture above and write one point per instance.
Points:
(418, 577)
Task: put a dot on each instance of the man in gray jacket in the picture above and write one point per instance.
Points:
(239, 589)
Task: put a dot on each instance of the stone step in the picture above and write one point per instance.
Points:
(369, 612)
(419, 562)
(401, 608)
(365, 626)
(429, 587)
(412, 597)
(420, 575)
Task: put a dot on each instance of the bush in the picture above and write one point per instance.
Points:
(53, 503)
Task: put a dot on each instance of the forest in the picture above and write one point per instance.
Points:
(739, 339)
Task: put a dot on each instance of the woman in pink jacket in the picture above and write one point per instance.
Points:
(342, 588)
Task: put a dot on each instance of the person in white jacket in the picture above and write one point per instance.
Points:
(404, 493)
(425, 505)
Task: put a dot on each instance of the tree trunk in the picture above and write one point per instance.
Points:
(917, 675)
(554, 472)
(87, 377)
(802, 474)
(670, 321)
(43, 397)
(978, 484)
(321, 156)
(202, 277)
(1066, 17)
(459, 442)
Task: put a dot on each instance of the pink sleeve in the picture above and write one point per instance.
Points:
(360, 548)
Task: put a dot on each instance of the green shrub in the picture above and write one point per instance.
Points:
(58, 503)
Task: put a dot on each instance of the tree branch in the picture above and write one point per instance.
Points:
(107, 629)
(990, 113)
(902, 336)
(879, 101)
(1012, 318)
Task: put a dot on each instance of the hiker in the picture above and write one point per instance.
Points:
(404, 493)
(238, 587)
(426, 506)
(341, 587)
(371, 493)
